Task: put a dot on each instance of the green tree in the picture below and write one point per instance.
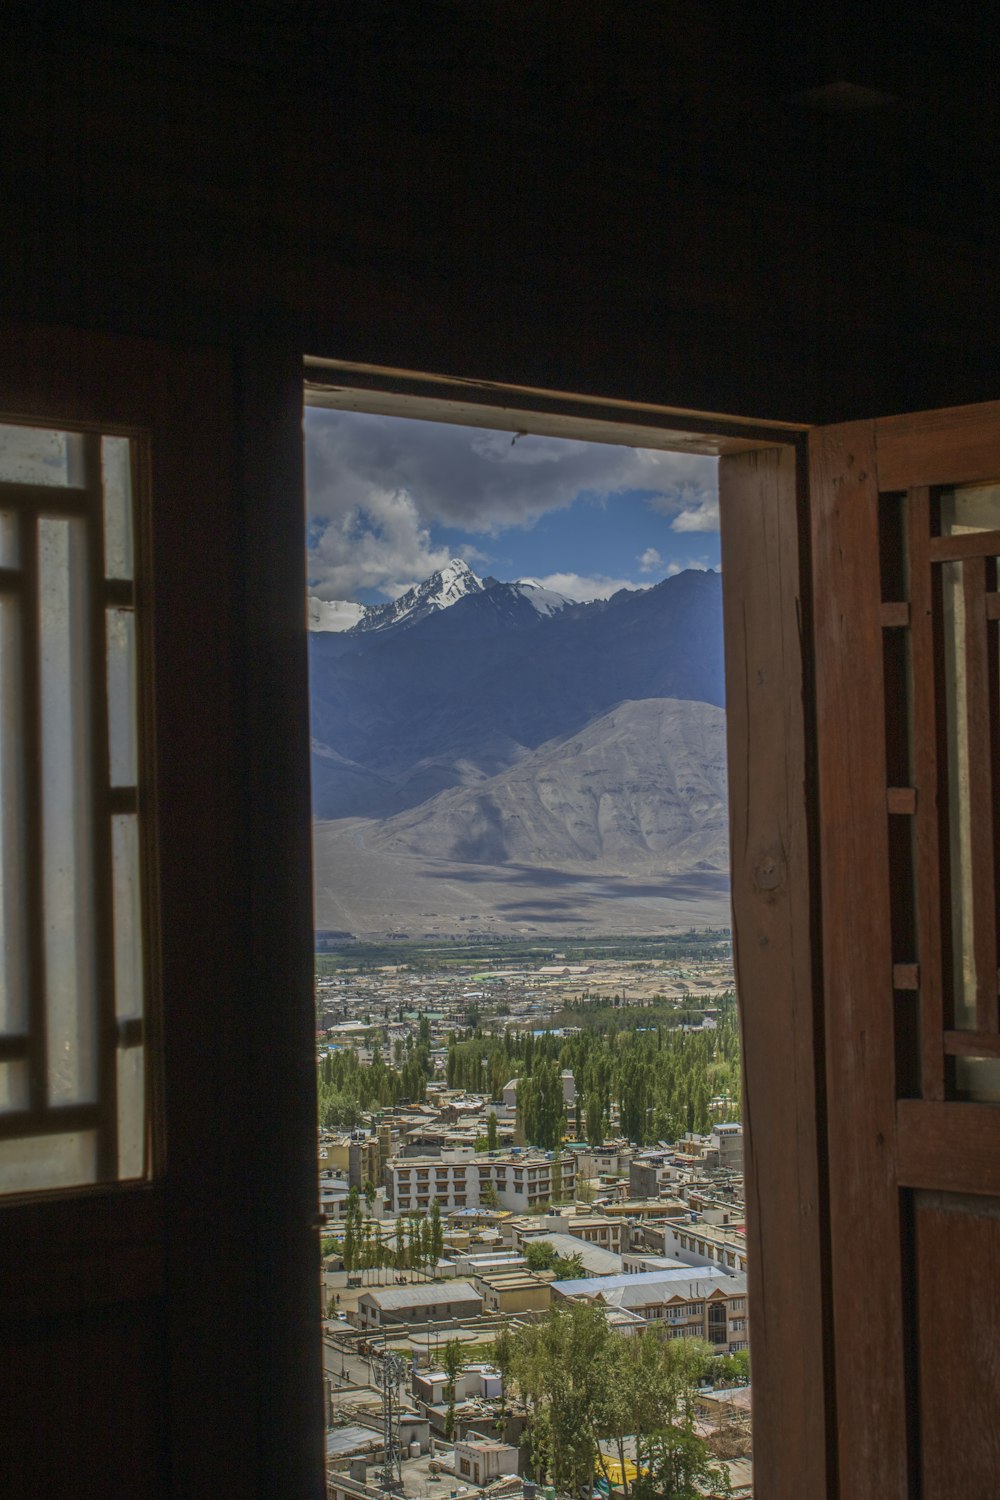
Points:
(586, 1386)
(569, 1267)
(453, 1363)
(502, 1359)
(437, 1233)
(491, 1131)
(539, 1255)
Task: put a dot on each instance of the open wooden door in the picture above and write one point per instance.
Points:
(863, 679)
(905, 515)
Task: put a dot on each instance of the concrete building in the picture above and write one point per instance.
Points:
(513, 1292)
(700, 1244)
(515, 1180)
(483, 1461)
(649, 1174)
(384, 1307)
(593, 1229)
(710, 1306)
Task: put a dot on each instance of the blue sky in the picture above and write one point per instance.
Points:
(390, 499)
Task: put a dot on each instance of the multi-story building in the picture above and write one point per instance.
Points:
(701, 1244)
(710, 1306)
(466, 1179)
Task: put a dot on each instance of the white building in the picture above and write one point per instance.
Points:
(482, 1461)
(702, 1244)
(517, 1180)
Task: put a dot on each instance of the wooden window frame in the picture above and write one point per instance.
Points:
(767, 610)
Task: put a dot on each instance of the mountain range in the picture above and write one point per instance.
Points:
(480, 732)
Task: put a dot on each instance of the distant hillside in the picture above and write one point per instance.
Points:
(492, 757)
(643, 787)
(465, 692)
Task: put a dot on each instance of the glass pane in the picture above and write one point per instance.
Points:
(978, 1078)
(67, 861)
(959, 801)
(971, 507)
(37, 455)
(13, 1002)
(13, 1086)
(120, 625)
(116, 463)
(10, 551)
(48, 1161)
(128, 916)
(132, 1112)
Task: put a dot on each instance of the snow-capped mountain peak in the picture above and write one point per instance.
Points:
(544, 601)
(333, 614)
(453, 582)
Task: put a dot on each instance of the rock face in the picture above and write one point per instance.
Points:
(642, 788)
(515, 736)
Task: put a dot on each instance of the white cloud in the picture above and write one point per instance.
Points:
(693, 502)
(701, 517)
(650, 561)
(378, 544)
(584, 589)
(375, 486)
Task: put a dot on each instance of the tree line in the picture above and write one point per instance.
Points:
(417, 1242)
(665, 1080)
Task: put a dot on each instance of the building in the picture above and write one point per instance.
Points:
(761, 230)
(596, 1260)
(701, 1243)
(384, 1307)
(649, 1173)
(515, 1180)
(592, 1229)
(513, 1291)
(711, 1307)
(483, 1461)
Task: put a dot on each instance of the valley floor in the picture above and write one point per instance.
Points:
(370, 893)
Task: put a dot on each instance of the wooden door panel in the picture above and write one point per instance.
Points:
(958, 1273)
(907, 686)
(84, 1405)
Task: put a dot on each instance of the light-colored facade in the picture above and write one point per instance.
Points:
(517, 1181)
(431, 1303)
(711, 1307)
(513, 1292)
(482, 1461)
(703, 1244)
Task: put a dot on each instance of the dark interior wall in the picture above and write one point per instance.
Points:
(628, 200)
(636, 200)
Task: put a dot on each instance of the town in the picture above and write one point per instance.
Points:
(531, 1179)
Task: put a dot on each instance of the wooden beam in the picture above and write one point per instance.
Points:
(765, 600)
(868, 1312)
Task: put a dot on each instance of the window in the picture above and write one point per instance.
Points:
(72, 964)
